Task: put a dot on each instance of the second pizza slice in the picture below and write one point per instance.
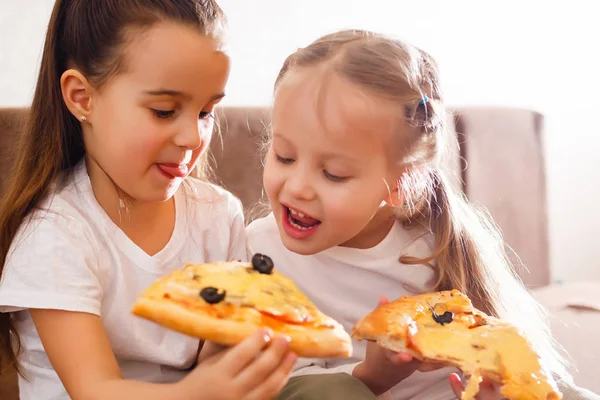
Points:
(444, 327)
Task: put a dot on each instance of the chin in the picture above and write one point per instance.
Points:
(157, 195)
(302, 247)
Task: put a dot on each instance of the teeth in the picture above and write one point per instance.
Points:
(299, 214)
(295, 225)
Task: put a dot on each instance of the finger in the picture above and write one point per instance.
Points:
(210, 349)
(398, 358)
(264, 365)
(456, 385)
(382, 301)
(489, 390)
(239, 356)
(273, 385)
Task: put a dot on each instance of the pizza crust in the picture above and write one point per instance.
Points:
(306, 341)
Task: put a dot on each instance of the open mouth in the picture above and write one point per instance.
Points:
(300, 220)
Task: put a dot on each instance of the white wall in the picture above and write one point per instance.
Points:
(523, 53)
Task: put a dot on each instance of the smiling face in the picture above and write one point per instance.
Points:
(151, 122)
(329, 166)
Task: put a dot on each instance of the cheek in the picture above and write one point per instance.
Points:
(144, 141)
(129, 129)
(206, 136)
(205, 131)
(271, 179)
(357, 204)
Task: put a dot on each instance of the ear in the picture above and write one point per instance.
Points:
(394, 196)
(77, 94)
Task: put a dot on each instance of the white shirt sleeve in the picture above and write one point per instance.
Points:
(51, 265)
(237, 244)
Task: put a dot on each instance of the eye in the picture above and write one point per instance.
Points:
(284, 160)
(334, 178)
(162, 113)
(205, 115)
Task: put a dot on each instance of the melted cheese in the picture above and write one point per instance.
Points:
(271, 294)
(481, 346)
(496, 351)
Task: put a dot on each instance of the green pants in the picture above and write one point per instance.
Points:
(326, 387)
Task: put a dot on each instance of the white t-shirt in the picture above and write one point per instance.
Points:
(346, 284)
(73, 257)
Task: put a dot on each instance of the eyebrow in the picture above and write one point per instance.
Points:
(340, 156)
(176, 93)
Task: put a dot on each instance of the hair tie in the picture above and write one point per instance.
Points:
(425, 100)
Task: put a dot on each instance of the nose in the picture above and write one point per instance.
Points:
(299, 184)
(193, 134)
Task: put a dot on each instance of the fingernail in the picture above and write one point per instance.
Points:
(287, 339)
(266, 335)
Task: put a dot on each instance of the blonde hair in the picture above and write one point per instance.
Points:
(469, 253)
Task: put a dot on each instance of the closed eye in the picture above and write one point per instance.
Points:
(284, 160)
(205, 115)
(162, 113)
(334, 178)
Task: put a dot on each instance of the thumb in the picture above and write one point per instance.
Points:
(456, 385)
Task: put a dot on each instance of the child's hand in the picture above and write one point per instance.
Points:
(383, 369)
(255, 369)
(488, 390)
(210, 349)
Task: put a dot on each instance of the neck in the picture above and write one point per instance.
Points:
(121, 208)
(376, 230)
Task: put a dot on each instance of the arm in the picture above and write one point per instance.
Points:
(80, 353)
(53, 271)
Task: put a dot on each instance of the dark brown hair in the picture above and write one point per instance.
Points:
(469, 253)
(87, 35)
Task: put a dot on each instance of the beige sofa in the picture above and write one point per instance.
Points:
(503, 151)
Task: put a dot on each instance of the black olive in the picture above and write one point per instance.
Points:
(212, 296)
(262, 263)
(443, 319)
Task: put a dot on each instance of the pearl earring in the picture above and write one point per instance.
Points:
(83, 118)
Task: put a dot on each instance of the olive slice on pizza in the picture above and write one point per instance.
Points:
(225, 302)
(444, 327)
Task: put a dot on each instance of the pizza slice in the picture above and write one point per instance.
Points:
(444, 327)
(225, 302)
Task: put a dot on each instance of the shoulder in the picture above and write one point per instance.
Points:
(64, 221)
(59, 230)
(261, 227)
(262, 236)
(63, 215)
(420, 243)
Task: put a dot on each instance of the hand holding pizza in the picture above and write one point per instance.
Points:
(255, 369)
(488, 390)
(383, 369)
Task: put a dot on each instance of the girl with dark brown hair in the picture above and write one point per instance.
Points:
(100, 204)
